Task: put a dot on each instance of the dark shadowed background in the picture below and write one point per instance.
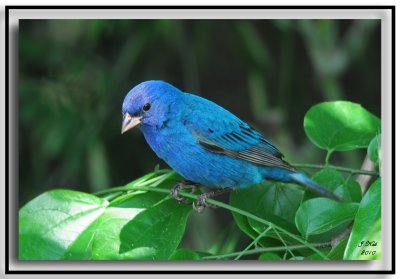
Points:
(74, 74)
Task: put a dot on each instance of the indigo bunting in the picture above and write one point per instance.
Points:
(205, 143)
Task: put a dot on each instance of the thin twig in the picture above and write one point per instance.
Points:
(253, 242)
(265, 250)
(283, 241)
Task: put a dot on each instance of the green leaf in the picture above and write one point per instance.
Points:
(366, 225)
(333, 180)
(373, 252)
(330, 234)
(350, 191)
(320, 215)
(374, 149)
(161, 227)
(274, 202)
(338, 252)
(244, 225)
(340, 125)
(101, 240)
(51, 222)
(184, 255)
(63, 224)
(269, 256)
(328, 178)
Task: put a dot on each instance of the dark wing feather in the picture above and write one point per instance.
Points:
(245, 144)
(219, 131)
(256, 154)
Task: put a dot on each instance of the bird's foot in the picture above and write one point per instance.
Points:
(200, 204)
(182, 185)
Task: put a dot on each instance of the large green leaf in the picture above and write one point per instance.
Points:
(320, 215)
(160, 227)
(274, 202)
(348, 191)
(50, 223)
(64, 224)
(366, 226)
(100, 241)
(340, 125)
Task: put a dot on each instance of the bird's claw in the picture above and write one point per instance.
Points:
(200, 204)
(178, 187)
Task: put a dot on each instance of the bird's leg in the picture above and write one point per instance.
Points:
(182, 185)
(201, 203)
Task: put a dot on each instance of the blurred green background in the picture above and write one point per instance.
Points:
(74, 75)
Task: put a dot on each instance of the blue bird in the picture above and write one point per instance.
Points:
(205, 143)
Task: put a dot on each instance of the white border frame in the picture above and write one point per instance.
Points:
(386, 25)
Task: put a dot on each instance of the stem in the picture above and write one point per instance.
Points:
(285, 255)
(256, 218)
(226, 206)
(350, 170)
(284, 242)
(134, 185)
(328, 156)
(112, 190)
(111, 196)
(264, 250)
(252, 243)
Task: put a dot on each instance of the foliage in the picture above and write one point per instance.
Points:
(141, 221)
(346, 126)
(74, 74)
(367, 227)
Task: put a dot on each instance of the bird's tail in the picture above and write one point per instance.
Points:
(302, 179)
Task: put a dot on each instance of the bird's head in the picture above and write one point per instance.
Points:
(149, 103)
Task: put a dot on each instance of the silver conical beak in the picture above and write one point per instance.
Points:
(129, 122)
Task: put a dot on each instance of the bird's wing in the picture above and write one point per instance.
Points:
(219, 131)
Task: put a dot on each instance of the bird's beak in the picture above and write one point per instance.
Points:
(129, 122)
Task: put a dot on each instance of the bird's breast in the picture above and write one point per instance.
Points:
(166, 141)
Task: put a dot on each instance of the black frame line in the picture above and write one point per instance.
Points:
(103, 7)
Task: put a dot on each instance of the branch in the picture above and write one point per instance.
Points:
(129, 187)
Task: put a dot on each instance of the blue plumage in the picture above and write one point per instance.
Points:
(204, 142)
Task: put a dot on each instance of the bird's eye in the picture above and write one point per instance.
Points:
(146, 107)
